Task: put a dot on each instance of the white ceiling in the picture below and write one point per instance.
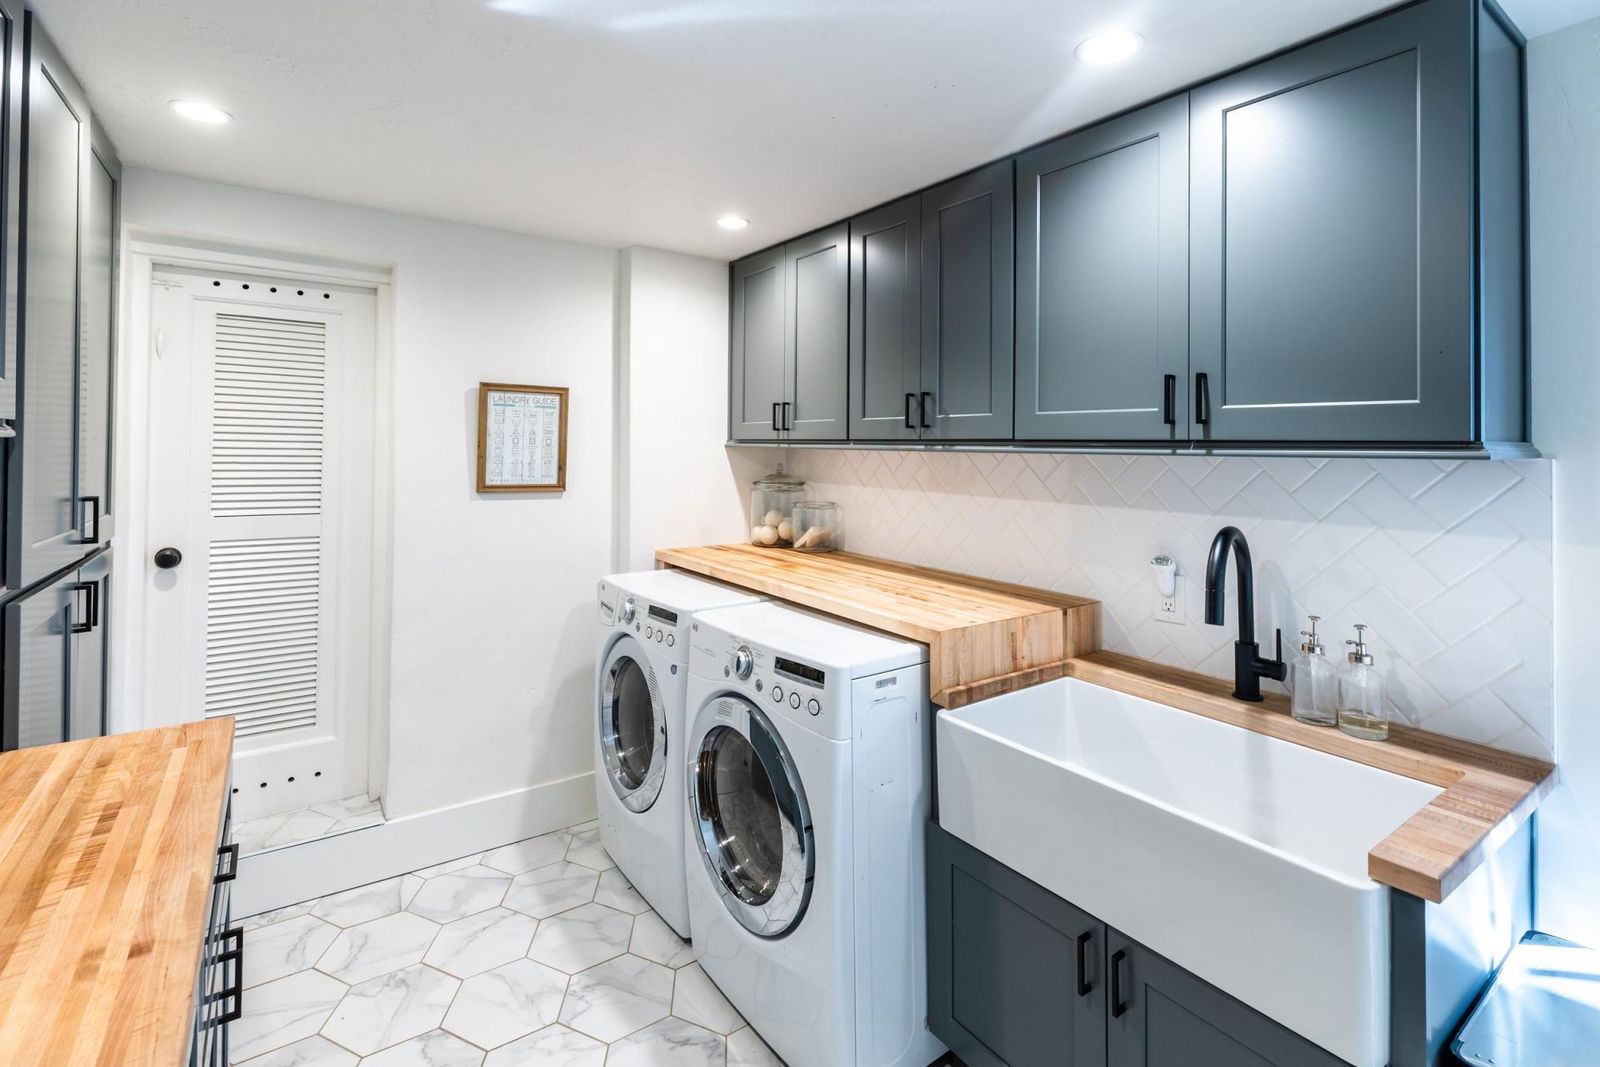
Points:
(640, 121)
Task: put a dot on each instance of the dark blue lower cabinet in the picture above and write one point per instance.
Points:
(1019, 977)
(1016, 974)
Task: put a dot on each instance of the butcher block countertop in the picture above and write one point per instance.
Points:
(976, 630)
(1487, 793)
(107, 852)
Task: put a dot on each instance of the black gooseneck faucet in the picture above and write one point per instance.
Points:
(1248, 666)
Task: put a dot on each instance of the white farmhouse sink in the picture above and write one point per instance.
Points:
(1238, 856)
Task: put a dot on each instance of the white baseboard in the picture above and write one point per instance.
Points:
(327, 865)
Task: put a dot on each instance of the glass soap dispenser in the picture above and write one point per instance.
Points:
(1314, 683)
(1362, 712)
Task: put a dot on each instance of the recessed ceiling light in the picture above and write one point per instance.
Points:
(202, 112)
(1104, 49)
(733, 222)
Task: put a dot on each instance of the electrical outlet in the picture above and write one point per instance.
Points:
(1169, 609)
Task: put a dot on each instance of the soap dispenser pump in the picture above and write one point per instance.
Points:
(1362, 712)
(1314, 681)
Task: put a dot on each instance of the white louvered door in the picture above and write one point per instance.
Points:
(261, 446)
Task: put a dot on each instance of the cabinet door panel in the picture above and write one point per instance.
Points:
(759, 349)
(886, 322)
(1163, 1016)
(1331, 201)
(38, 667)
(11, 63)
(1103, 273)
(817, 334)
(1004, 984)
(95, 340)
(91, 614)
(48, 514)
(968, 344)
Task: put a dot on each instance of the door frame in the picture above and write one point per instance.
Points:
(142, 255)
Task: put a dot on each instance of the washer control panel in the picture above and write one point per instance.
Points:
(659, 627)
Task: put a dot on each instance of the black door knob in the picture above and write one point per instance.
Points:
(168, 558)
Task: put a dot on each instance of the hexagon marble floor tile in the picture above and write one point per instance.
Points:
(537, 953)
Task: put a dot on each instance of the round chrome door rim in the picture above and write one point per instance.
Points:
(783, 908)
(636, 798)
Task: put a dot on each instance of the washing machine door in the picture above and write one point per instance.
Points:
(633, 726)
(754, 826)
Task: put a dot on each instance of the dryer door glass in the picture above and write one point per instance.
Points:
(633, 727)
(754, 825)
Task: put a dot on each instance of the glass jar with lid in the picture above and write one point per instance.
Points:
(817, 526)
(772, 500)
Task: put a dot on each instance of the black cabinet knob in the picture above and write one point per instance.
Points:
(168, 558)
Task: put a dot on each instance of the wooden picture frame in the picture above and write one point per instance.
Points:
(508, 416)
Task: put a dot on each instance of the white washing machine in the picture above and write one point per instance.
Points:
(640, 695)
(809, 785)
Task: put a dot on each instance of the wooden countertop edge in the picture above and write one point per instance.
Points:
(1487, 794)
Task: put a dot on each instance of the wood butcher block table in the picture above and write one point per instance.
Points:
(107, 854)
(986, 638)
(976, 630)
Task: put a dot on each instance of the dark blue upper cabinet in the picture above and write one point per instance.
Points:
(816, 333)
(1322, 251)
(1332, 219)
(931, 301)
(968, 301)
(1102, 269)
(886, 322)
(758, 348)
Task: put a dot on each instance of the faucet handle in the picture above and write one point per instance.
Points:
(1279, 655)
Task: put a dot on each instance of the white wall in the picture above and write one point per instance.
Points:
(1564, 146)
(677, 484)
(490, 658)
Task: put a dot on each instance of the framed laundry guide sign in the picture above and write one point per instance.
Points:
(522, 438)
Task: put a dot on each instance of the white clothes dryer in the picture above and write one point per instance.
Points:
(640, 693)
(809, 787)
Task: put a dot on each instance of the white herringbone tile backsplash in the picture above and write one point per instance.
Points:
(1447, 562)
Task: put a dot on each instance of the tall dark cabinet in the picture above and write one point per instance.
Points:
(61, 225)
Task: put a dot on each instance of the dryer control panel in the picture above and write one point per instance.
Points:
(777, 684)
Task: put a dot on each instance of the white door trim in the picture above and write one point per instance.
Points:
(130, 579)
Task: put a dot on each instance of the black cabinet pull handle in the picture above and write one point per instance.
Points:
(927, 398)
(168, 558)
(776, 425)
(788, 423)
(1202, 399)
(231, 851)
(1119, 1007)
(1084, 986)
(910, 399)
(1169, 399)
(91, 607)
(94, 523)
(233, 936)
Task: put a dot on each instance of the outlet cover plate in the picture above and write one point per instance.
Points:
(1169, 609)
